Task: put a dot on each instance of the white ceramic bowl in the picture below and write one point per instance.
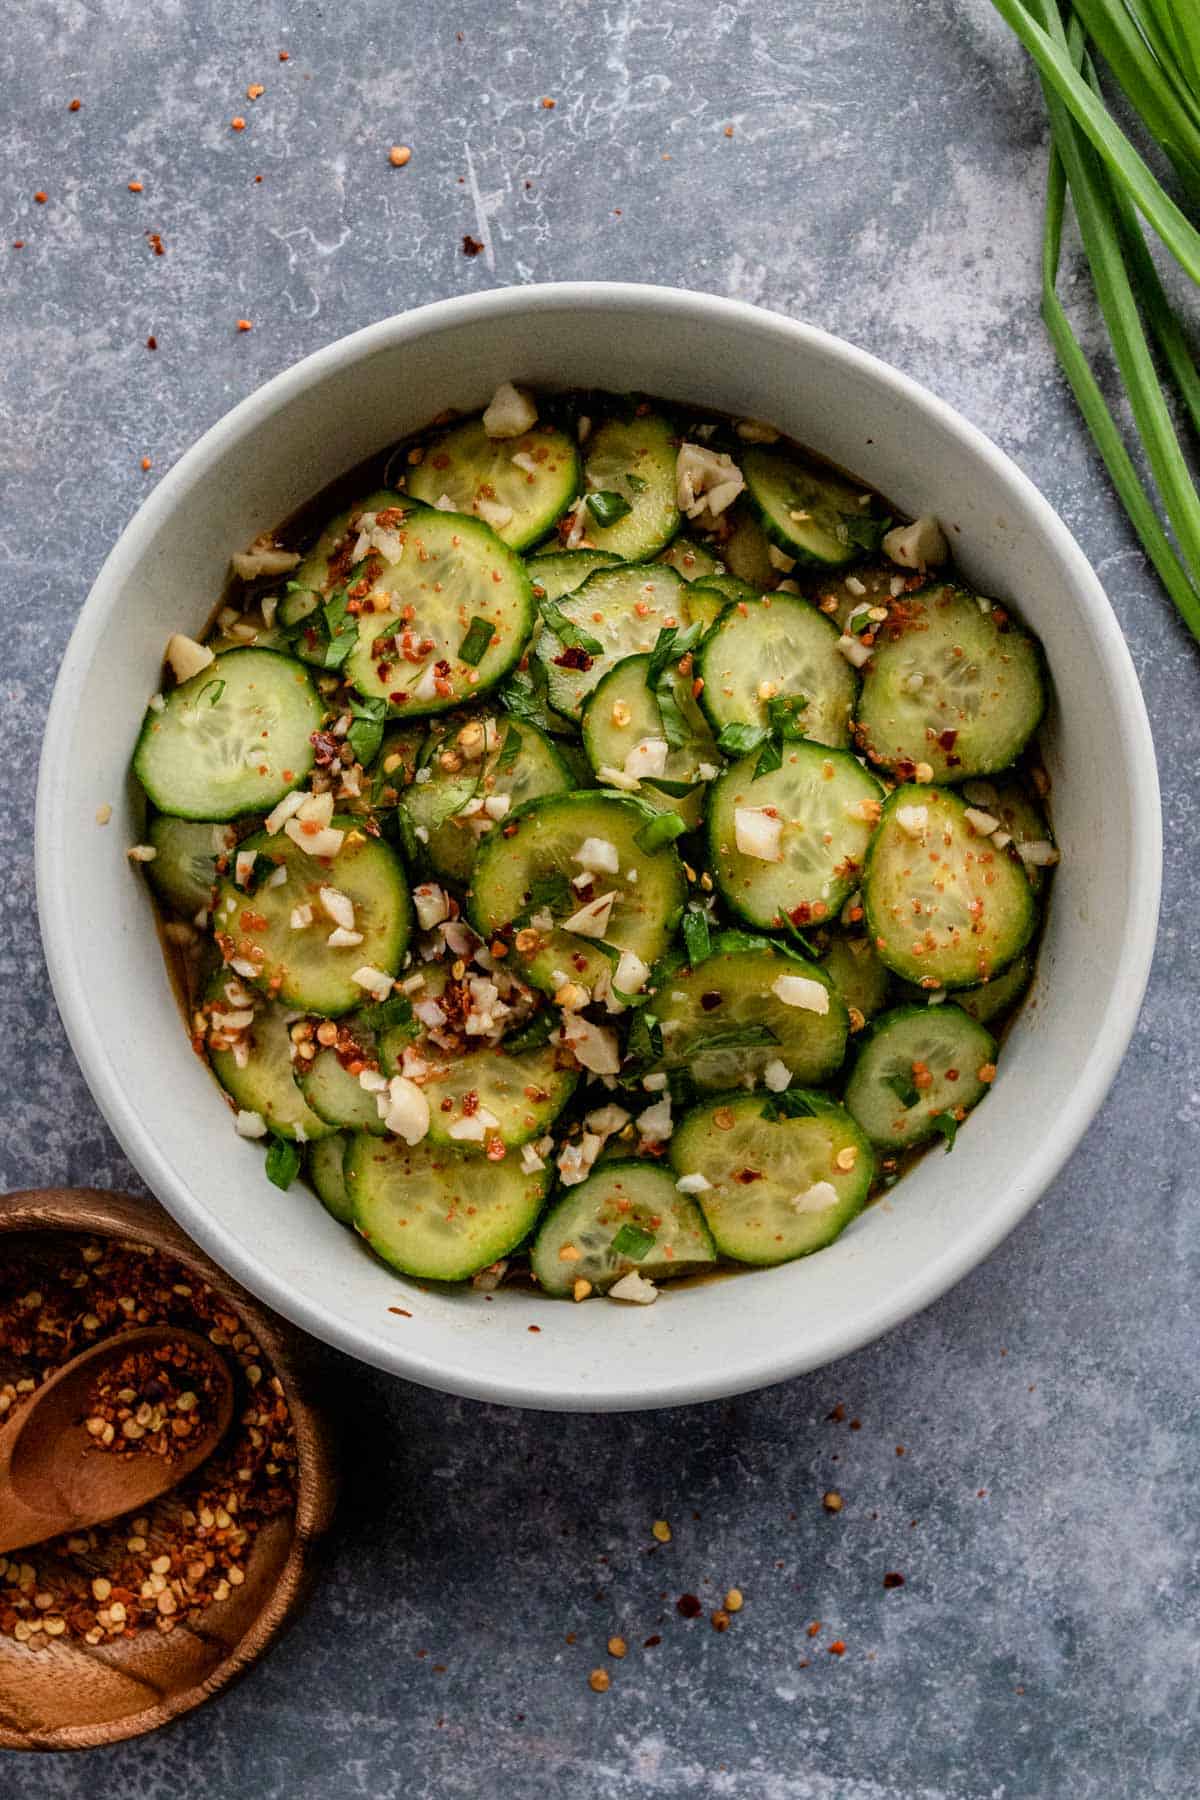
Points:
(278, 448)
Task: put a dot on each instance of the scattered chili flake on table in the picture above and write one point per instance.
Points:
(156, 243)
(283, 56)
(74, 105)
(661, 1530)
(837, 1648)
(471, 246)
(548, 103)
(152, 343)
(163, 1567)
(729, 131)
(398, 155)
(893, 1579)
(688, 1606)
(41, 197)
(146, 463)
(238, 124)
(599, 1681)
(832, 1502)
(135, 187)
(255, 91)
(617, 1647)
(245, 325)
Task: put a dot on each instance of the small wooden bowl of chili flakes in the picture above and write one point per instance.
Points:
(110, 1633)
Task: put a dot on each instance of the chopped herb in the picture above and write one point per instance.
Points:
(770, 758)
(738, 1037)
(861, 530)
(904, 1089)
(567, 633)
(632, 1241)
(696, 938)
(534, 1035)
(793, 1103)
(341, 631)
(477, 642)
(663, 829)
(635, 483)
(395, 1010)
(607, 508)
(644, 1045)
(519, 696)
(366, 731)
(947, 1125)
(669, 646)
(547, 893)
(510, 749)
(740, 740)
(453, 798)
(283, 1162)
(782, 715)
(217, 687)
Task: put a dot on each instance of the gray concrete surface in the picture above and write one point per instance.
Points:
(883, 179)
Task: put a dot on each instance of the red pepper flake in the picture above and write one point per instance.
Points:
(283, 56)
(146, 462)
(533, 1328)
(652, 1641)
(893, 1579)
(18, 243)
(245, 325)
(238, 124)
(837, 1648)
(400, 1311)
(156, 243)
(688, 1606)
(152, 343)
(814, 1628)
(255, 91)
(74, 105)
(471, 245)
(729, 131)
(899, 1449)
(135, 187)
(41, 197)
(837, 1415)
(548, 103)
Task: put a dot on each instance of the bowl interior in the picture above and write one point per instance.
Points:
(274, 452)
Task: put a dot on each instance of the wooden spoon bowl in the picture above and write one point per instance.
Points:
(68, 1695)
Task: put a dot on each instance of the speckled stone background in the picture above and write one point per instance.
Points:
(882, 179)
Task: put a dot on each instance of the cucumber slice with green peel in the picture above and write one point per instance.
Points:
(620, 610)
(634, 459)
(732, 1017)
(558, 572)
(575, 757)
(453, 571)
(326, 1171)
(436, 1214)
(334, 1093)
(825, 805)
(812, 513)
(857, 974)
(486, 759)
(990, 1001)
(524, 696)
(626, 1216)
(945, 908)
(853, 590)
(1007, 798)
(525, 878)
(952, 686)
(916, 1064)
(777, 1184)
(780, 646)
(298, 965)
(746, 551)
(184, 870)
(267, 1084)
(705, 605)
(621, 712)
(517, 1095)
(233, 740)
(325, 566)
(533, 478)
(396, 764)
(691, 559)
(731, 589)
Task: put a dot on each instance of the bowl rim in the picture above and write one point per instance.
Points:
(1132, 959)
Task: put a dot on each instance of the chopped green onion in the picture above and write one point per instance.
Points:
(634, 483)
(283, 1162)
(664, 828)
(793, 1103)
(904, 1088)
(477, 642)
(533, 1035)
(396, 1010)
(510, 749)
(218, 688)
(607, 508)
(947, 1125)
(697, 940)
(547, 892)
(568, 633)
(740, 740)
(632, 1241)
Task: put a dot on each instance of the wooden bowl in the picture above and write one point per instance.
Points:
(69, 1696)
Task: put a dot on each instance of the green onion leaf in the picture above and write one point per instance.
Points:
(770, 758)
(510, 749)
(477, 642)
(644, 1045)
(783, 715)
(450, 802)
(663, 829)
(532, 1036)
(384, 1014)
(519, 696)
(697, 940)
(567, 633)
(740, 740)
(793, 1103)
(904, 1089)
(634, 483)
(947, 1125)
(547, 893)
(217, 688)
(632, 1241)
(283, 1162)
(607, 508)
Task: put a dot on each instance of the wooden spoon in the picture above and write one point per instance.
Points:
(54, 1478)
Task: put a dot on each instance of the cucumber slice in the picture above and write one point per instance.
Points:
(781, 645)
(747, 550)
(815, 515)
(944, 907)
(691, 560)
(267, 1084)
(634, 458)
(916, 1064)
(951, 686)
(714, 1018)
(487, 758)
(623, 610)
(396, 763)
(453, 570)
(758, 1166)
(857, 974)
(533, 478)
(994, 998)
(524, 1091)
(558, 572)
(621, 712)
(869, 584)
(183, 873)
(326, 1171)
(435, 1214)
(705, 604)
(523, 696)
(827, 803)
(1007, 799)
(327, 564)
(233, 740)
(528, 873)
(731, 589)
(298, 966)
(665, 1231)
(333, 1092)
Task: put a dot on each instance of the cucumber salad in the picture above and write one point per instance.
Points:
(598, 844)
